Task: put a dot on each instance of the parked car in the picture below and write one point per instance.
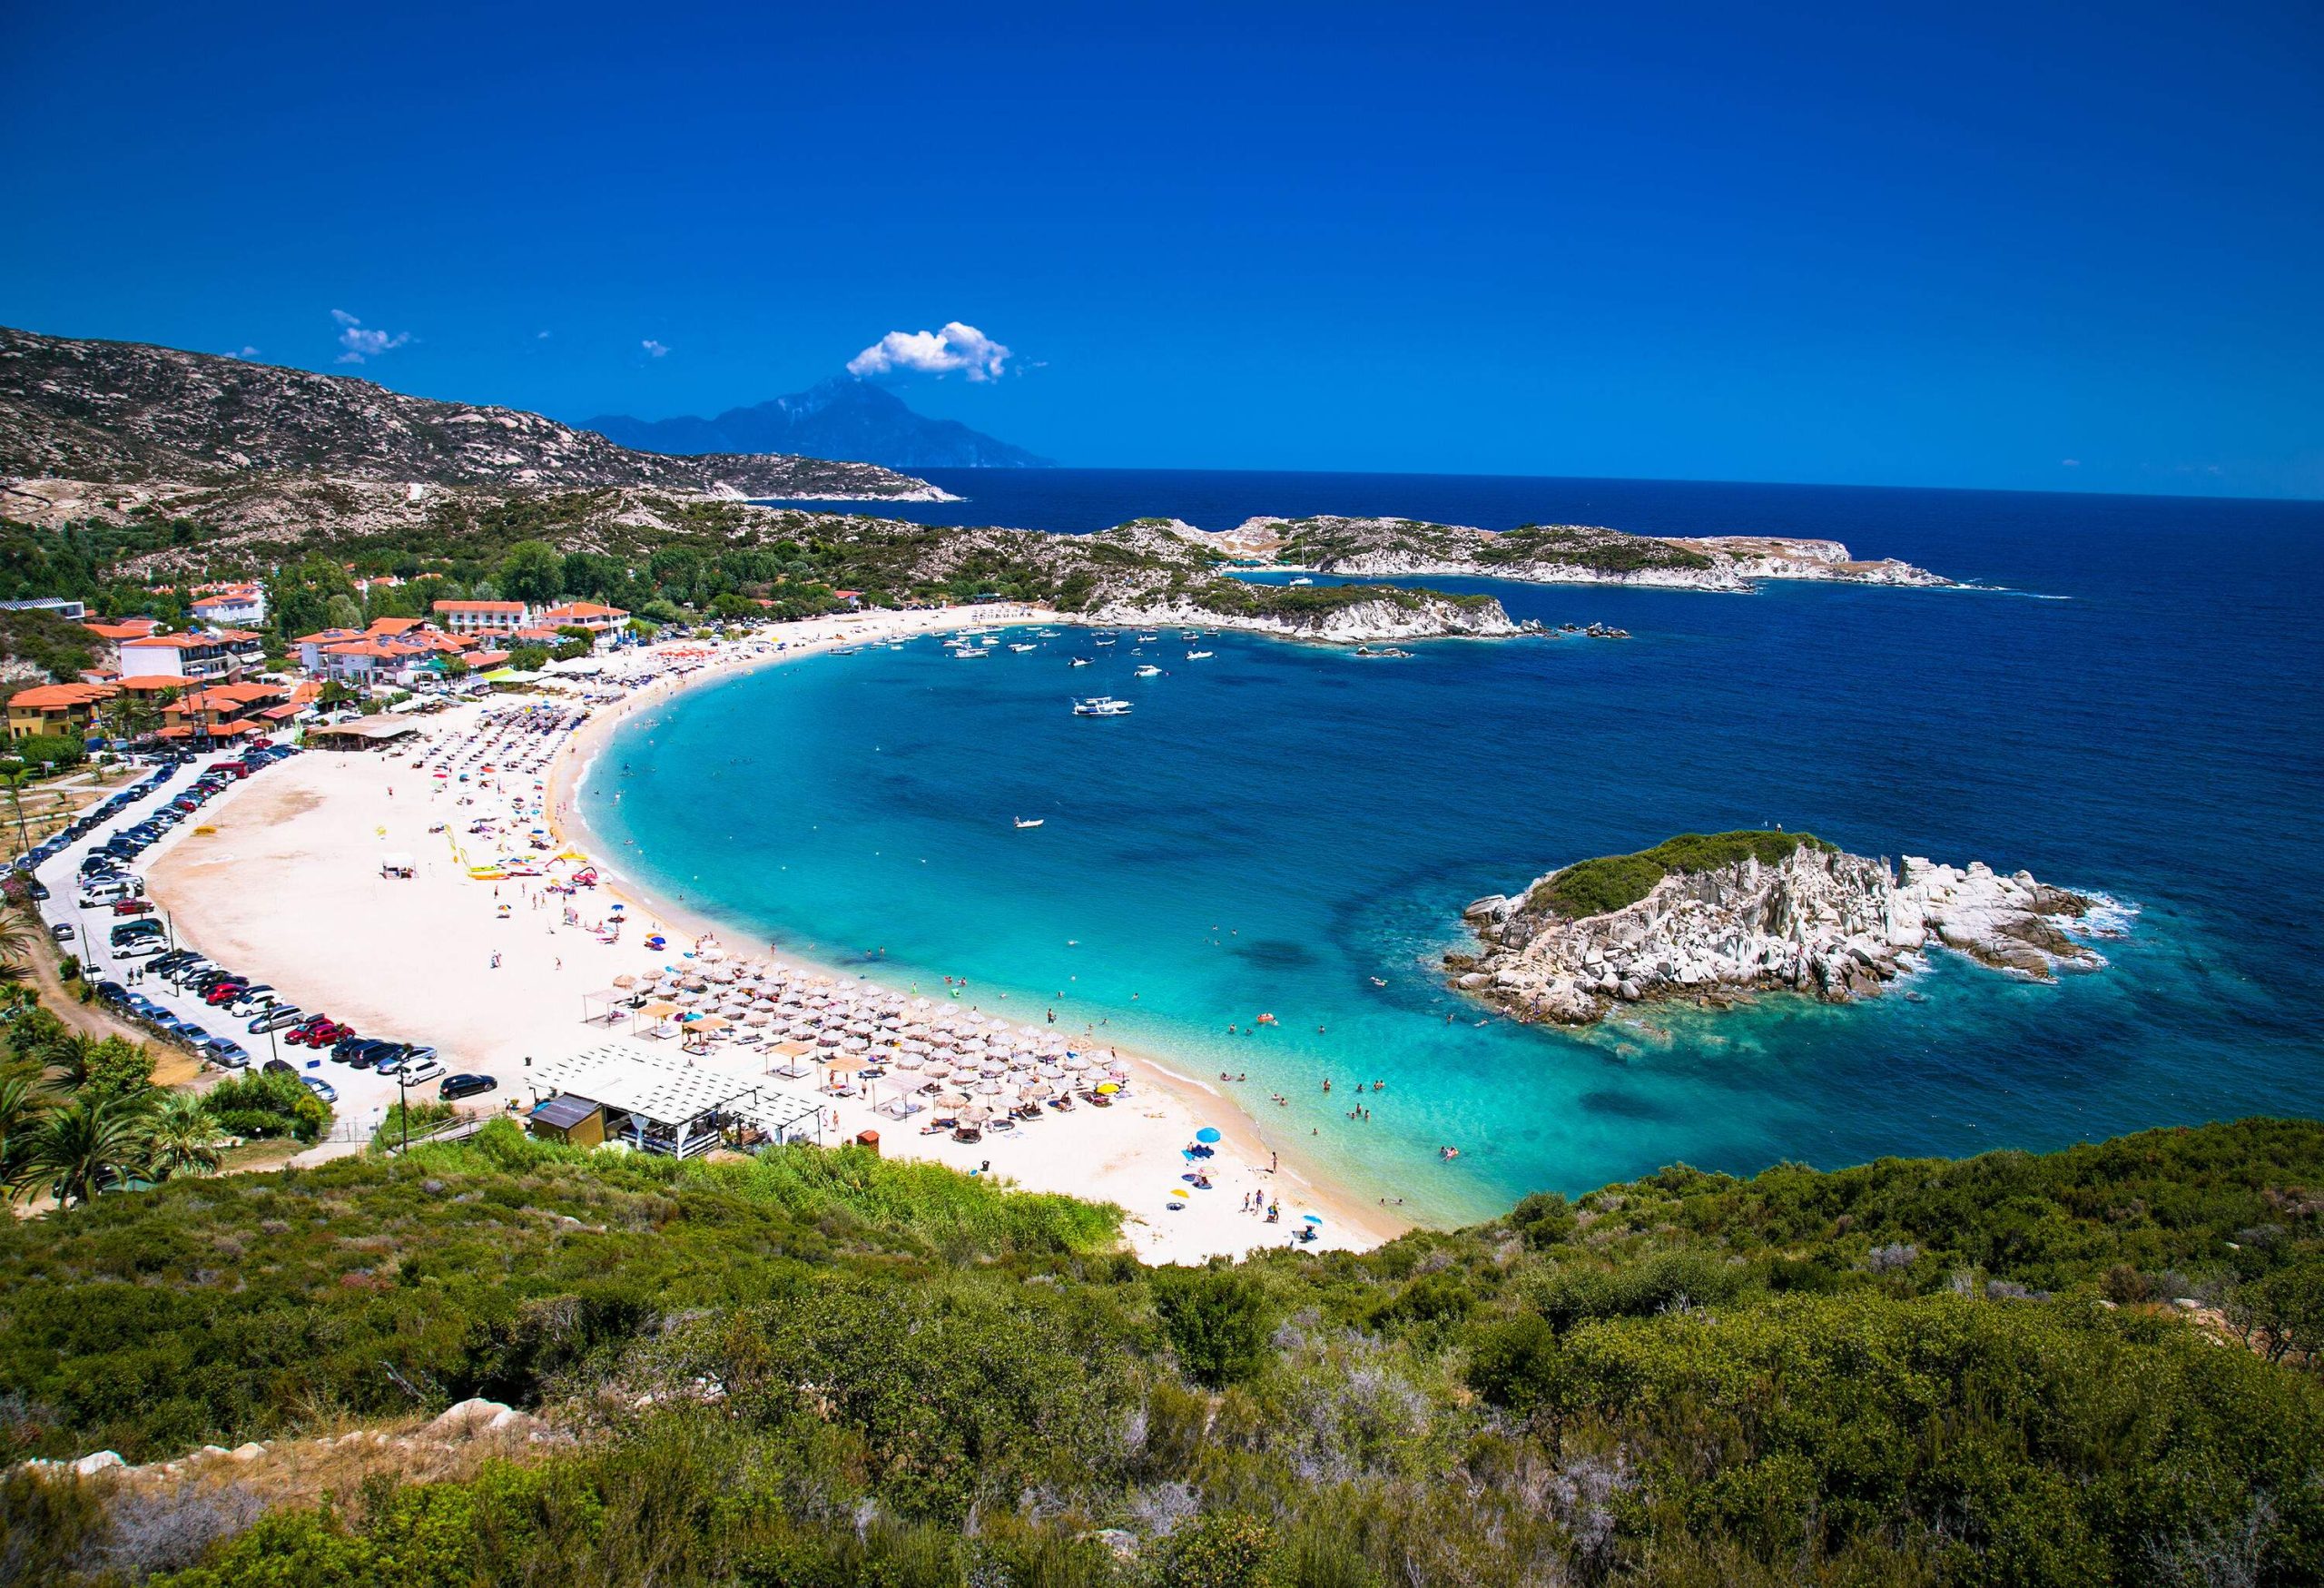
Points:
(280, 1067)
(465, 1086)
(220, 1051)
(111, 992)
(420, 1073)
(275, 1019)
(321, 1088)
(61, 931)
(37, 891)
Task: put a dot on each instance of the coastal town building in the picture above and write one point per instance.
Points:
(60, 605)
(231, 605)
(189, 658)
(66, 710)
(475, 617)
(601, 621)
(111, 636)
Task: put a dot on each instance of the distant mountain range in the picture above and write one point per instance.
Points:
(841, 418)
(121, 412)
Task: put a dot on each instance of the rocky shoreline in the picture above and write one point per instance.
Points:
(1418, 614)
(1817, 922)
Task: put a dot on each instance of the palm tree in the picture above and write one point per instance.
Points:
(184, 1138)
(83, 1148)
(22, 1104)
(69, 1059)
(16, 942)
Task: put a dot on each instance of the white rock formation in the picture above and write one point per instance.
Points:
(1830, 925)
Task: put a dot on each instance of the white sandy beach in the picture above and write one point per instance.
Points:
(281, 879)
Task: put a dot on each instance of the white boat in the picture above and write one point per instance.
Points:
(1147, 639)
(1105, 639)
(1021, 649)
(965, 652)
(1079, 662)
(1197, 655)
(1035, 821)
(1101, 706)
(1149, 671)
(1302, 579)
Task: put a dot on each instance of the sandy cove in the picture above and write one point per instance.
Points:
(281, 878)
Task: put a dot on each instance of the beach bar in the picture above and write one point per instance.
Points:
(370, 733)
(642, 1100)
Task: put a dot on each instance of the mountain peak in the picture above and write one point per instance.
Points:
(839, 418)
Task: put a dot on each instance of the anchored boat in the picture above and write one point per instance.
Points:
(1101, 706)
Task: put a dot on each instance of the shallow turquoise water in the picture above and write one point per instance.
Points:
(1276, 827)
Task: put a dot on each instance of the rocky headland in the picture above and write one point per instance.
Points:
(1545, 554)
(1716, 918)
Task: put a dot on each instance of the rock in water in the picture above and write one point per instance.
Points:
(1815, 921)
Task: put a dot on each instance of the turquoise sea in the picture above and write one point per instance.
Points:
(2138, 712)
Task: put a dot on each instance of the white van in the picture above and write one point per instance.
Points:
(112, 891)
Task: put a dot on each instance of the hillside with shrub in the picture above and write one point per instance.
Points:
(820, 1367)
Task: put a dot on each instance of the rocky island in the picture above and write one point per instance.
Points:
(1716, 917)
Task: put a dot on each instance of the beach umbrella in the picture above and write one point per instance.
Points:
(757, 1017)
(1206, 1135)
(1107, 1088)
(1311, 1217)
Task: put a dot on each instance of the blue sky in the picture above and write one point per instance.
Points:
(1960, 246)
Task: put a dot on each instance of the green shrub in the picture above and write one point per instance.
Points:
(1216, 1321)
(267, 1103)
(1614, 881)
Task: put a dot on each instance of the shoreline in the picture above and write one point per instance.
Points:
(569, 770)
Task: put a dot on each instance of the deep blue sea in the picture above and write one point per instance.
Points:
(2138, 709)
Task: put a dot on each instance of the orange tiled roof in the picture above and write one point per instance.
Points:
(147, 683)
(55, 697)
(394, 625)
(134, 628)
(582, 609)
(176, 642)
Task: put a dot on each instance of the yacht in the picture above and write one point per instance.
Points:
(1149, 671)
(1302, 579)
(1021, 649)
(1197, 655)
(1105, 639)
(1079, 662)
(1022, 824)
(1101, 706)
(1147, 639)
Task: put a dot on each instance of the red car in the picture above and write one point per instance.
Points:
(321, 1032)
(132, 907)
(225, 992)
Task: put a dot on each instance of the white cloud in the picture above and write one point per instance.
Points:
(542, 336)
(361, 344)
(654, 350)
(958, 347)
(247, 352)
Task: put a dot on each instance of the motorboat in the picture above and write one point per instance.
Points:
(1105, 639)
(1079, 662)
(1197, 655)
(1302, 579)
(1021, 822)
(1021, 649)
(1149, 671)
(1147, 639)
(1101, 706)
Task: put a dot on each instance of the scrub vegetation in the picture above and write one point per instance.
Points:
(1615, 882)
(824, 1368)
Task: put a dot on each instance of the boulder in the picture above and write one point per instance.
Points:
(250, 1452)
(473, 1416)
(98, 1461)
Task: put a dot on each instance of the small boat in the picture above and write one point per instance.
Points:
(1105, 639)
(1079, 662)
(1377, 981)
(1149, 671)
(1197, 655)
(1022, 824)
(1101, 706)
(1046, 633)
(1302, 579)
(1147, 639)
(1021, 649)
(1190, 634)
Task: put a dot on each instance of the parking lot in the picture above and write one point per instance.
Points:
(94, 904)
